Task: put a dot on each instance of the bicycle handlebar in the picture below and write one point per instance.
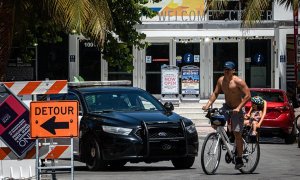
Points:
(220, 110)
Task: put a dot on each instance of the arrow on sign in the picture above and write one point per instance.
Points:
(50, 125)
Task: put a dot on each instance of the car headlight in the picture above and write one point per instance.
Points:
(116, 130)
(191, 128)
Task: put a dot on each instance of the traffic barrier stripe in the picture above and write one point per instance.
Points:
(4, 151)
(56, 152)
(59, 151)
(38, 87)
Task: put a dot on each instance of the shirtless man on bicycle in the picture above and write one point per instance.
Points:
(236, 94)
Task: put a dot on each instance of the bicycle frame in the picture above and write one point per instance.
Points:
(222, 133)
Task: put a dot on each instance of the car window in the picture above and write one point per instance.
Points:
(269, 96)
(72, 96)
(120, 101)
(146, 104)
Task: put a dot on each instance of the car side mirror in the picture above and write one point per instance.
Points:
(169, 106)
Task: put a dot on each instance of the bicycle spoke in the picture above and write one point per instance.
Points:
(251, 157)
(210, 154)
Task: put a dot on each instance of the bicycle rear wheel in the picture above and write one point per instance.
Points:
(211, 153)
(251, 156)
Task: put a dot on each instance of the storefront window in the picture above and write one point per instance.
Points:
(118, 73)
(53, 59)
(223, 52)
(258, 63)
(156, 55)
(187, 54)
(89, 61)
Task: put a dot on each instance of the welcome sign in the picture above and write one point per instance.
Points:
(177, 10)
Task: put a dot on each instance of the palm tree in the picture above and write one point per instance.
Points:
(91, 18)
(253, 8)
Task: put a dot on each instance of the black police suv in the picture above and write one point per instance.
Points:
(127, 124)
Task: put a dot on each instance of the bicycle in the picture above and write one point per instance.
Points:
(297, 124)
(218, 140)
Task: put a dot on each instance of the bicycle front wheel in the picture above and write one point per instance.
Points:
(211, 153)
(251, 157)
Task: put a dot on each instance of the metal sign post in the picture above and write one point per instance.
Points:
(53, 119)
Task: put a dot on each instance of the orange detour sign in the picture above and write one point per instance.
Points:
(53, 119)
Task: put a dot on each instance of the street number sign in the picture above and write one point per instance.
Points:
(54, 119)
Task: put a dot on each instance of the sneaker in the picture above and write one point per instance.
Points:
(253, 133)
(239, 163)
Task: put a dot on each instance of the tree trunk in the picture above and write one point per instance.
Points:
(6, 35)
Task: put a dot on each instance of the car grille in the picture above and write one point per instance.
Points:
(162, 131)
(163, 139)
(165, 132)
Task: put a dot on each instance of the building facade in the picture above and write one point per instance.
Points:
(182, 35)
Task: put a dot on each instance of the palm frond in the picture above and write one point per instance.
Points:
(87, 17)
(215, 4)
(286, 3)
(253, 11)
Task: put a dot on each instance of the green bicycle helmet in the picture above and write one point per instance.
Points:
(257, 100)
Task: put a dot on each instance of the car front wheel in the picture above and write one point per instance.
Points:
(94, 161)
(183, 163)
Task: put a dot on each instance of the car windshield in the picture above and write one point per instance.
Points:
(269, 96)
(104, 102)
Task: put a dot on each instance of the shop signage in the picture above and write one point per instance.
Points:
(72, 58)
(148, 59)
(282, 58)
(192, 11)
(51, 119)
(169, 80)
(190, 80)
(196, 58)
(14, 123)
(188, 58)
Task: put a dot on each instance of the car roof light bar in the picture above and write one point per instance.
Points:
(100, 83)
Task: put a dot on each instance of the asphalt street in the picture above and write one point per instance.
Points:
(278, 162)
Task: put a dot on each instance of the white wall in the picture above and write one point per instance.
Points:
(281, 13)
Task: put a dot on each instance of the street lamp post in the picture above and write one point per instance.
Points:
(295, 10)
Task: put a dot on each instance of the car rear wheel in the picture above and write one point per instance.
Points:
(290, 138)
(93, 158)
(183, 163)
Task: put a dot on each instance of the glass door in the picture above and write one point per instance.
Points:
(188, 55)
(157, 54)
(222, 52)
(258, 63)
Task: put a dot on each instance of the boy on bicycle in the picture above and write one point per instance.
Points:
(256, 114)
(236, 94)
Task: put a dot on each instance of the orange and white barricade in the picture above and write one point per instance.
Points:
(13, 164)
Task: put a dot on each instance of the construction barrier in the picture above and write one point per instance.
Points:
(17, 163)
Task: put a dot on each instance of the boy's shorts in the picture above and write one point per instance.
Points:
(237, 120)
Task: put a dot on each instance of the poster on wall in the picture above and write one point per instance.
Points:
(190, 80)
(169, 80)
